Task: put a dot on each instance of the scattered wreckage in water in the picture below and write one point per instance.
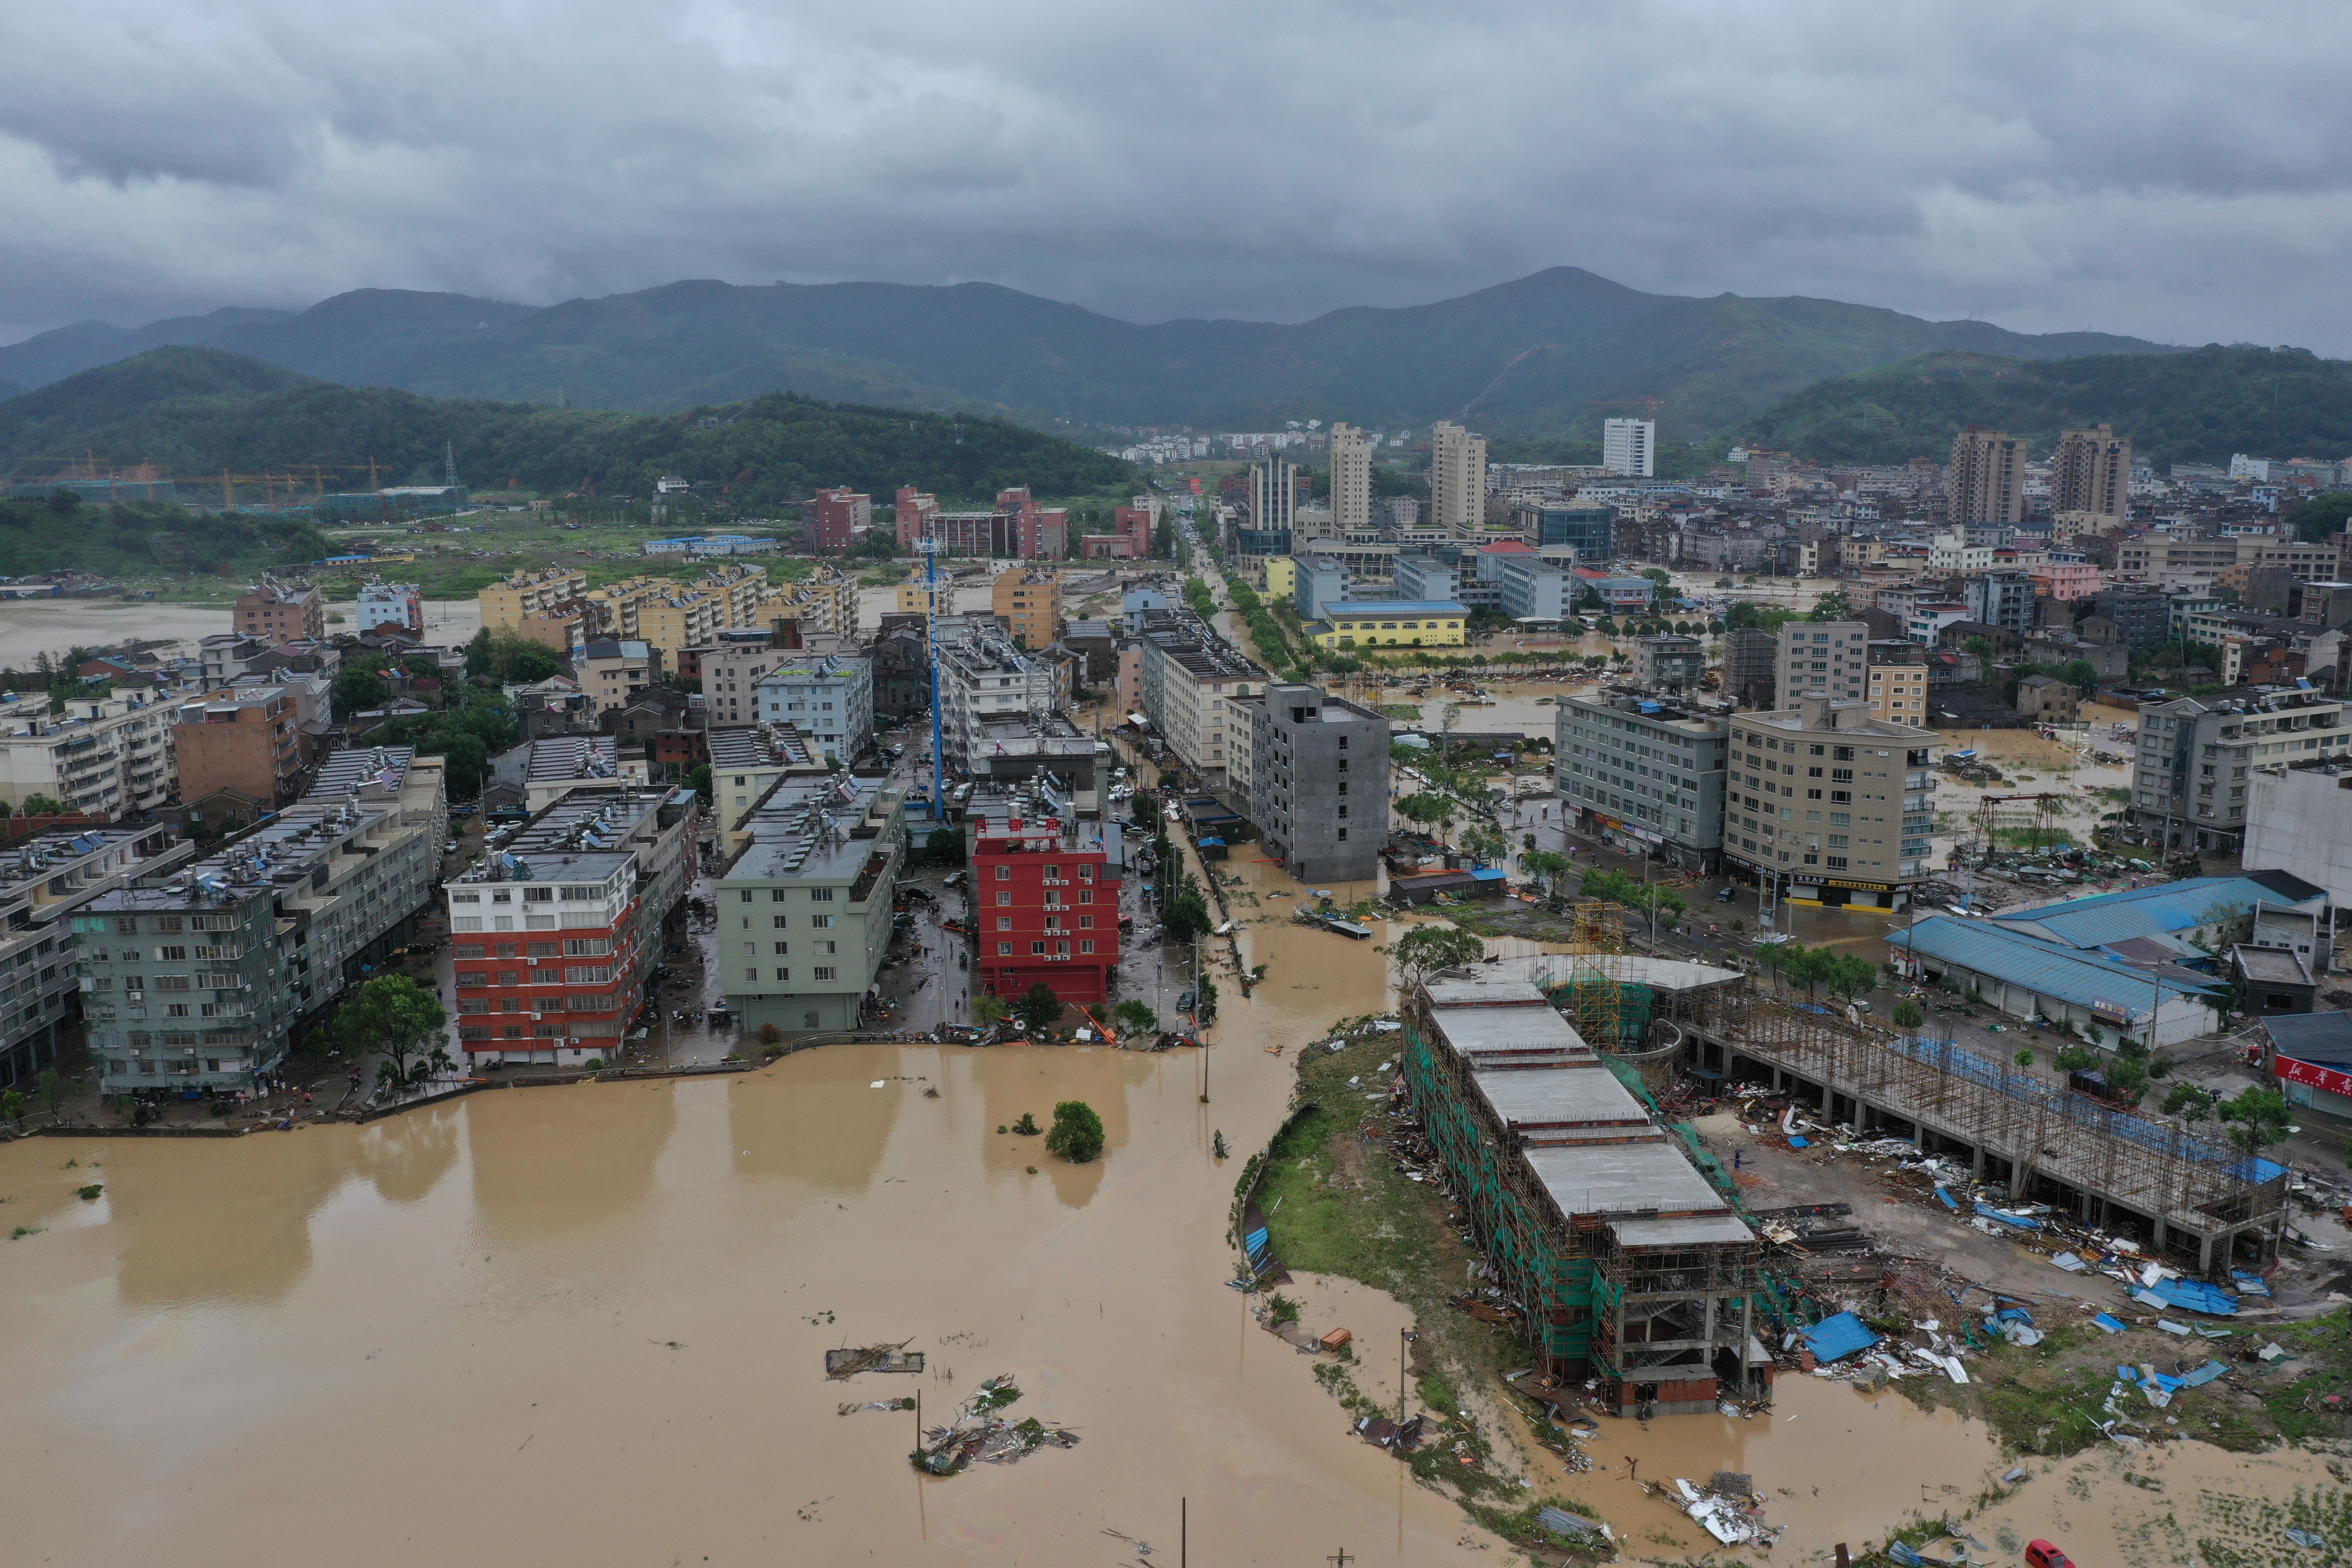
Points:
(852, 1360)
(979, 1434)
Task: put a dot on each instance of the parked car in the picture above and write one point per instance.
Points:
(2042, 1555)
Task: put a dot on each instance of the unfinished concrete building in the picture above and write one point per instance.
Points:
(1633, 1267)
(2202, 1204)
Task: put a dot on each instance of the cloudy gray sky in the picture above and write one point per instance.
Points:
(2174, 170)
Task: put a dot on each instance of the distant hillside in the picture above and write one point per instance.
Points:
(198, 411)
(1549, 354)
(2197, 407)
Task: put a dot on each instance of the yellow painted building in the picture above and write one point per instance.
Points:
(1391, 623)
(504, 602)
(913, 600)
(1281, 578)
(1029, 600)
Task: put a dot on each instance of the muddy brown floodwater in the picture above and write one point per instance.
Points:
(576, 1323)
(588, 1323)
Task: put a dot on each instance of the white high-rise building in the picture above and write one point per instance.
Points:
(1457, 477)
(1352, 478)
(1629, 446)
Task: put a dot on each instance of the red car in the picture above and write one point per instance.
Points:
(2042, 1555)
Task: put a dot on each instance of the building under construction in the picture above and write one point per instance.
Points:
(1631, 1266)
(2108, 1168)
(1622, 1239)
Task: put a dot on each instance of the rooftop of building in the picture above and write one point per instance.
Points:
(1693, 718)
(581, 836)
(617, 647)
(762, 746)
(2270, 965)
(811, 828)
(579, 757)
(2082, 976)
(53, 861)
(1346, 608)
(1850, 717)
(288, 851)
(2104, 918)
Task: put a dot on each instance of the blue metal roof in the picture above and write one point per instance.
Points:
(2141, 912)
(1393, 607)
(2049, 969)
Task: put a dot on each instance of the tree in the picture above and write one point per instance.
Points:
(2189, 1103)
(1135, 1017)
(988, 1007)
(358, 688)
(1077, 1134)
(394, 1016)
(1907, 1015)
(1038, 1009)
(1829, 607)
(1424, 950)
(2257, 1118)
(54, 1090)
(700, 779)
(12, 1107)
(39, 804)
(1977, 647)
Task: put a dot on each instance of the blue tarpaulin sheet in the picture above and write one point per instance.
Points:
(2203, 1374)
(2113, 1325)
(2195, 1296)
(1834, 1338)
(2014, 1221)
(1949, 1202)
(1798, 1140)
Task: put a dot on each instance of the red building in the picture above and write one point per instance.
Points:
(836, 517)
(1045, 890)
(556, 938)
(915, 512)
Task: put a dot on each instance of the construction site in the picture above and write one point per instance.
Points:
(1638, 1273)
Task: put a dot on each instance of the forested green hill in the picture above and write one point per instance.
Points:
(196, 411)
(2197, 407)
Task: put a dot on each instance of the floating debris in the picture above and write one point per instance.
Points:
(978, 1434)
(855, 1359)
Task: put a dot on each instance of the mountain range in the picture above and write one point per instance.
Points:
(1548, 353)
(197, 411)
(2200, 406)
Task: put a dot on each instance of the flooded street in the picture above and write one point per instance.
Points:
(30, 627)
(589, 1321)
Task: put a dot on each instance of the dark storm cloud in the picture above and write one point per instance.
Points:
(2172, 170)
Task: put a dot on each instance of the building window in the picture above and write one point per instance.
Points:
(1003, 950)
(1037, 948)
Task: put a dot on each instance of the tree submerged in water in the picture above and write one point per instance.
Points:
(1077, 1134)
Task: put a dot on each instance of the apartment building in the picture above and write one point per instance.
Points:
(1589, 530)
(247, 739)
(1028, 599)
(1950, 550)
(557, 937)
(1669, 661)
(1985, 486)
(2304, 561)
(2169, 561)
(1457, 478)
(1629, 446)
(202, 979)
(1044, 895)
(43, 880)
(1273, 497)
(825, 604)
(2090, 476)
(1351, 480)
(2066, 578)
(828, 697)
(732, 668)
(103, 756)
(615, 671)
(805, 904)
(382, 603)
(506, 604)
(1317, 779)
(1644, 773)
(2003, 599)
(1188, 672)
(745, 764)
(838, 517)
(280, 612)
(1018, 529)
(1528, 587)
(1897, 691)
(1830, 657)
(553, 766)
(985, 677)
(1830, 805)
(2190, 782)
